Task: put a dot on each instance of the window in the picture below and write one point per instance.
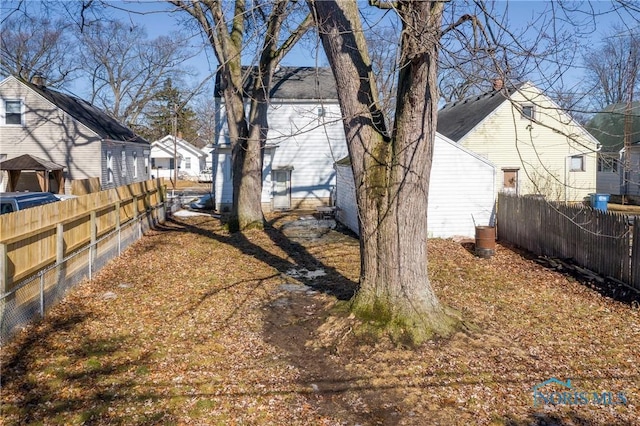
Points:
(123, 163)
(321, 112)
(607, 164)
(187, 163)
(135, 164)
(227, 167)
(577, 163)
(109, 167)
(528, 112)
(153, 163)
(13, 112)
(146, 167)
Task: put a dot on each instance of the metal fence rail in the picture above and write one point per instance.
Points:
(597, 240)
(32, 297)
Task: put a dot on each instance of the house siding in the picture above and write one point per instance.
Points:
(300, 141)
(120, 178)
(51, 134)
(540, 149)
(632, 185)
(609, 183)
(461, 192)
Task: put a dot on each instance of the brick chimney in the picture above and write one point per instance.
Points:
(498, 84)
(38, 80)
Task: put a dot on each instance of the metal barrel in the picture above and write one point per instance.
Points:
(485, 241)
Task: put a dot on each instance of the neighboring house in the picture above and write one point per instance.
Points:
(208, 150)
(461, 192)
(70, 132)
(608, 126)
(191, 160)
(536, 147)
(305, 139)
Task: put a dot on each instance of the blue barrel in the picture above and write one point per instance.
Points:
(599, 201)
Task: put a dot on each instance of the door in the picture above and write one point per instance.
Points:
(510, 185)
(281, 189)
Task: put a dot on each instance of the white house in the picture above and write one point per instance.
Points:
(191, 160)
(461, 192)
(611, 128)
(70, 132)
(305, 139)
(535, 145)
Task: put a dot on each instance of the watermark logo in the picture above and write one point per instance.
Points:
(556, 392)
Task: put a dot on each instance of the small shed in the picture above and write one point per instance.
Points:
(461, 192)
(44, 170)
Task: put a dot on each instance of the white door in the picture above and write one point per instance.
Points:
(281, 189)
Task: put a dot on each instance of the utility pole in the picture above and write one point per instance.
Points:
(174, 130)
(628, 118)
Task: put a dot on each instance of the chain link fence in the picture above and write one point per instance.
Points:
(32, 297)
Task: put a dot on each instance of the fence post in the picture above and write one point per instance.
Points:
(41, 294)
(92, 244)
(117, 207)
(4, 269)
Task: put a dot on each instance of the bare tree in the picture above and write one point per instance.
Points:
(37, 45)
(612, 68)
(126, 70)
(228, 33)
(205, 110)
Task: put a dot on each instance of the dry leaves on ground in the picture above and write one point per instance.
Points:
(212, 328)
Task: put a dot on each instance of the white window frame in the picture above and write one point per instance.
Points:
(123, 163)
(530, 107)
(109, 156)
(4, 113)
(146, 167)
(187, 163)
(607, 164)
(135, 165)
(581, 167)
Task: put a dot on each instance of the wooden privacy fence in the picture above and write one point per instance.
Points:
(596, 240)
(35, 238)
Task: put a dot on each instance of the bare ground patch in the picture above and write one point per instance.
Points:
(212, 328)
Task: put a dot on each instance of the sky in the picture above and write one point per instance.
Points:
(521, 16)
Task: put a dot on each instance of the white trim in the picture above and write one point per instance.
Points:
(3, 112)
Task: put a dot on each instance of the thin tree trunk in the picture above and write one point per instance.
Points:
(391, 171)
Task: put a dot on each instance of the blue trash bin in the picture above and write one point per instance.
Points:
(599, 201)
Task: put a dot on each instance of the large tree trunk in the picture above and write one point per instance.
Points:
(247, 136)
(391, 171)
(246, 153)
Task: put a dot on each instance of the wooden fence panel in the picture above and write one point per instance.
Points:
(635, 256)
(30, 238)
(85, 186)
(596, 240)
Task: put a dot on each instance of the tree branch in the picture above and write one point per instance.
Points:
(384, 5)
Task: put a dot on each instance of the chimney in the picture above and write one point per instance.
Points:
(498, 84)
(38, 80)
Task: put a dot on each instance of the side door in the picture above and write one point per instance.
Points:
(281, 189)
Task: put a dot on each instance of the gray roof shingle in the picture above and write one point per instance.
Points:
(105, 126)
(29, 162)
(456, 119)
(295, 83)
